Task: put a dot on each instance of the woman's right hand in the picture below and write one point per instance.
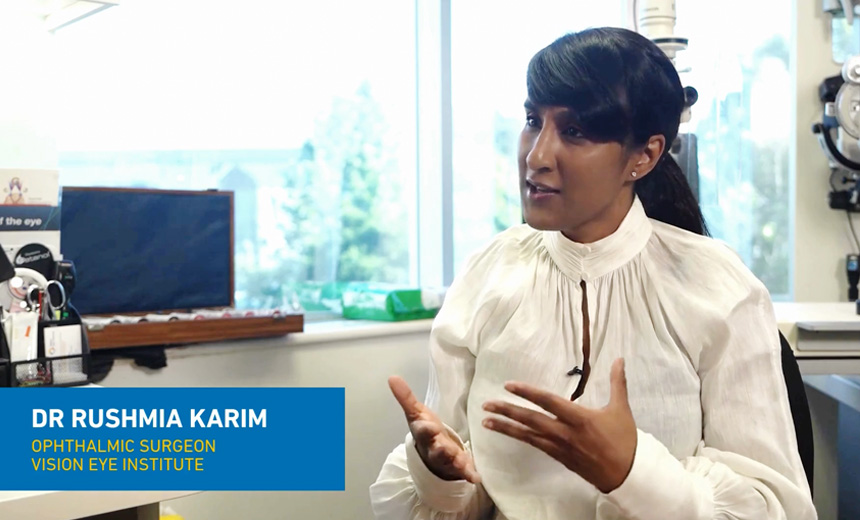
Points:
(441, 451)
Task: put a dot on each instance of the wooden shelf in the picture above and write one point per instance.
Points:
(194, 331)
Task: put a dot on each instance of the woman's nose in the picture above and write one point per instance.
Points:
(541, 157)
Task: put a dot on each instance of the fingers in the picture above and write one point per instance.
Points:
(560, 407)
(447, 458)
(464, 463)
(411, 406)
(423, 431)
(618, 384)
(521, 433)
(532, 419)
(442, 454)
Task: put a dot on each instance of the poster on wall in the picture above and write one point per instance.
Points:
(29, 209)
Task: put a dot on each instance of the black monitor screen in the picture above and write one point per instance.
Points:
(148, 250)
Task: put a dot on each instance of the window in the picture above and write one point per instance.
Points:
(305, 110)
(742, 122)
(489, 63)
(328, 128)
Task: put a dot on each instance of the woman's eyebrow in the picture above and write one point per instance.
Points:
(563, 116)
(567, 116)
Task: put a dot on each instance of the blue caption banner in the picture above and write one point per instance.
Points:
(172, 439)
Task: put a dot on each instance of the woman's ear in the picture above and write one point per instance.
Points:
(646, 159)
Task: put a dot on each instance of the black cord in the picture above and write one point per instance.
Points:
(853, 233)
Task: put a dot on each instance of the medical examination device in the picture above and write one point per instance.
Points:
(838, 133)
(655, 19)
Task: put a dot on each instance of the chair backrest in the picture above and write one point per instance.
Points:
(799, 408)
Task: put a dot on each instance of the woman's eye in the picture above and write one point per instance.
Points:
(531, 121)
(573, 132)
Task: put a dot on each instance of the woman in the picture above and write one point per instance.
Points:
(606, 360)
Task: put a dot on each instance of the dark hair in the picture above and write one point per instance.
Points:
(622, 88)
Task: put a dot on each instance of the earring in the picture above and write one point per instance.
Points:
(634, 174)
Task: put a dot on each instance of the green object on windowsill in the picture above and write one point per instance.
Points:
(383, 302)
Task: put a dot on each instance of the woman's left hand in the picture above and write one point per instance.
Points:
(599, 445)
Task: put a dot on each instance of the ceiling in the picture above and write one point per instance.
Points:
(46, 7)
(58, 13)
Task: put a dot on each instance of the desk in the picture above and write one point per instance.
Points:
(845, 389)
(825, 338)
(69, 505)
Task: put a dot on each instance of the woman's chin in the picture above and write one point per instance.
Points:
(542, 222)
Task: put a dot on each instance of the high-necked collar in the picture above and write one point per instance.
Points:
(589, 261)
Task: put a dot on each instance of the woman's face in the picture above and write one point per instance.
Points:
(570, 183)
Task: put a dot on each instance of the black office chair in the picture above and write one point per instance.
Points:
(799, 408)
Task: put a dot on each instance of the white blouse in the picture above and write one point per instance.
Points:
(699, 338)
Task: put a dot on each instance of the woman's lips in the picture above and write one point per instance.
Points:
(539, 191)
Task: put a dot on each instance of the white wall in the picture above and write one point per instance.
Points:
(374, 422)
(28, 91)
(821, 238)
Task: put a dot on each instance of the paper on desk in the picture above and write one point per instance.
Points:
(64, 341)
(24, 344)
